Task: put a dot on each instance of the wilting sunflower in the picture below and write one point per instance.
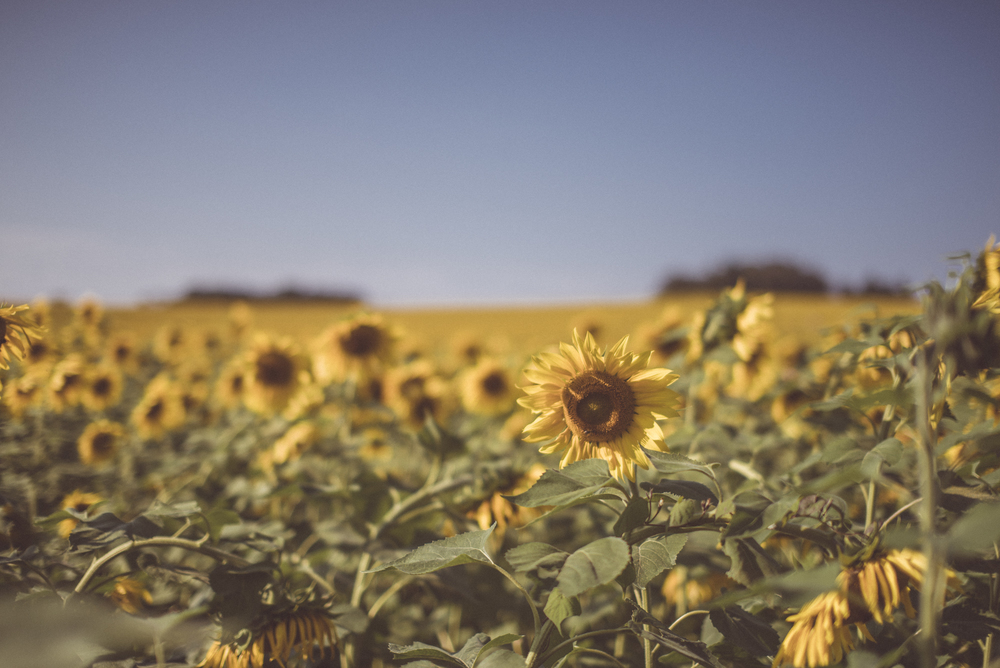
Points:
(276, 371)
(597, 404)
(102, 387)
(871, 589)
(160, 409)
(352, 349)
(16, 333)
(80, 502)
(488, 388)
(99, 442)
(299, 632)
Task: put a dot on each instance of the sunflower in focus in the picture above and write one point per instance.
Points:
(276, 371)
(16, 333)
(99, 442)
(488, 388)
(81, 503)
(298, 633)
(597, 404)
(353, 349)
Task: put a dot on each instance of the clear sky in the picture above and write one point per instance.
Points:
(475, 152)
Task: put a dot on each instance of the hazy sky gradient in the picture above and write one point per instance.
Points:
(489, 152)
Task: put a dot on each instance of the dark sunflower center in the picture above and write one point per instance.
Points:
(598, 406)
(361, 341)
(274, 369)
(101, 387)
(122, 353)
(3, 331)
(103, 443)
(154, 412)
(495, 384)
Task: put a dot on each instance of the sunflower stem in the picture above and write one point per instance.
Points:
(932, 591)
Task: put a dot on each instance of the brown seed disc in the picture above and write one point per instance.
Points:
(599, 406)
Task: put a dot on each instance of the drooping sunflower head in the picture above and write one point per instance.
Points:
(597, 404)
(80, 502)
(17, 332)
(303, 632)
(99, 442)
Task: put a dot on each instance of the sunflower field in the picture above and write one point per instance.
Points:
(736, 483)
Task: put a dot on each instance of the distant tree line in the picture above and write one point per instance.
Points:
(774, 277)
(286, 294)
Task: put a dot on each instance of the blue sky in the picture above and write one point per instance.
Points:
(439, 153)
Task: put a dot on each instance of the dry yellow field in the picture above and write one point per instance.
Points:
(525, 328)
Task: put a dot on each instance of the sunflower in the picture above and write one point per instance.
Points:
(78, 501)
(497, 509)
(871, 589)
(122, 352)
(291, 445)
(16, 333)
(160, 409)
(102, 386)
(25, 391)
(690, 588)
(68, 381)
(99, 442)
(352, 349)
(230, 386)
(170, 344)
(487, 388)
(299, 632)
(415, 392)
(597, 404)
(276, 371)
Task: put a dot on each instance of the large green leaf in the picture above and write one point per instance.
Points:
(593, 565)
(976, 531)
(528, 557)
(746, 631)
(473, 653)
(670, 463)
(655, 556)
(750, 562)
(566, 486)
(461, 549)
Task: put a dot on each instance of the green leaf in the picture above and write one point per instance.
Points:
(750, 562)
(505, 639)
(502, 658)
(566, 486)
(634, 516)
(528, 557)
(238, 595)
(684, 489)
(175, 510)
(976, 530)
(646, 626)
(795, 588)
(671, 463)
(217, 518)
(593, 565)
(558, 607)
(746, 631)
(656, 555)
(419, 650)
(888, 452)
(748, 517)
(461, 549)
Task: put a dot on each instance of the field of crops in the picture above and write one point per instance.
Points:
(749, 480)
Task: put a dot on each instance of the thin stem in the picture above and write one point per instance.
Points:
(160, 541)
(686, 615)
(537, 643)
(932, 591)
(387, 594)
(531, 604)
(641, 599)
